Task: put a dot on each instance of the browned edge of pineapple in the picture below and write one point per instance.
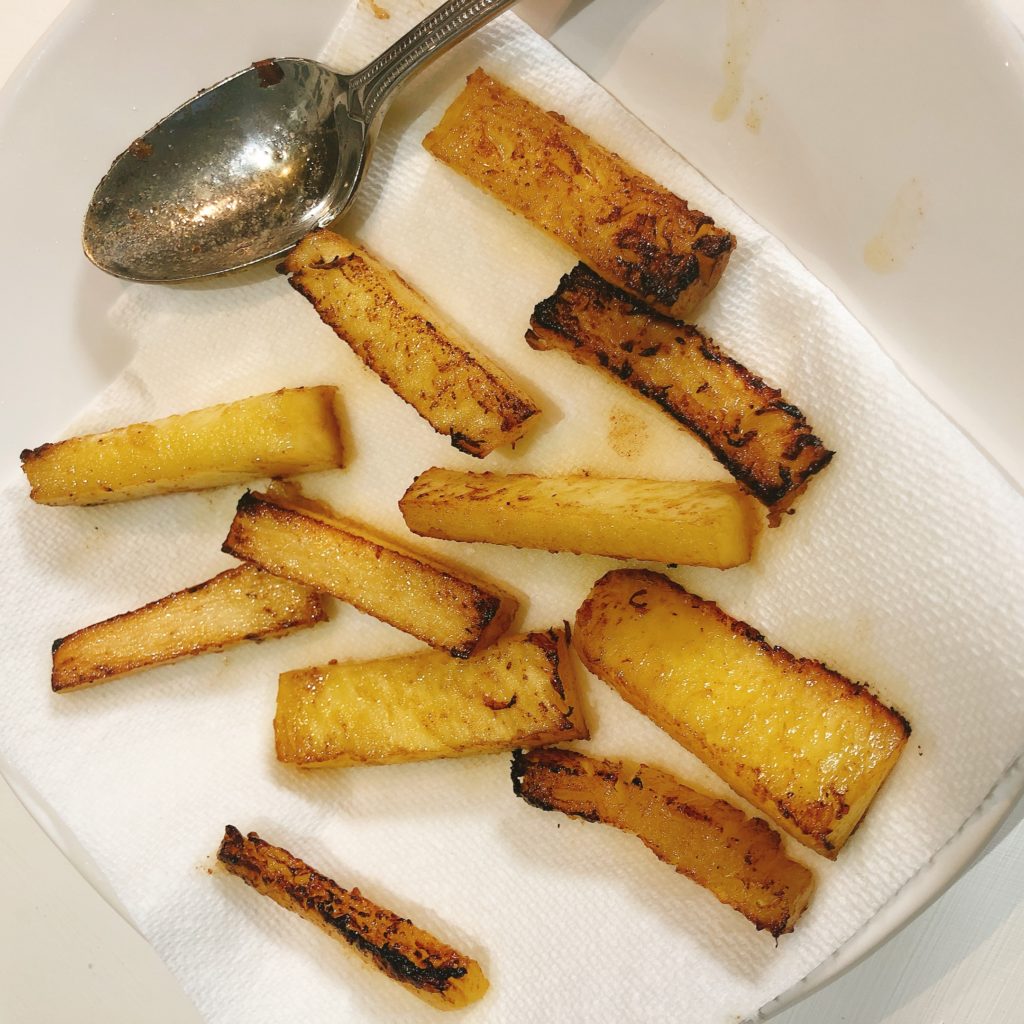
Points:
(282, 433)
(419, 962)
(740, 860)
(244, 603)
(801, 742)
(519, 692)
(629, 228)
(684, 522)
(763, 440)
(438, 603)
(396, 332)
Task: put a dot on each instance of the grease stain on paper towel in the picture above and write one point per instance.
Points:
(378, 11)
(627, 433)
(889, 248)
(743, 19)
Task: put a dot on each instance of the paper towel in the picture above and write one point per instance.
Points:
(901, 568)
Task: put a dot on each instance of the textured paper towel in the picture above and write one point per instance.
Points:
(901, 568)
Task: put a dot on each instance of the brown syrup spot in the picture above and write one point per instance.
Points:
(268, 72)
(500, 705)
(140, 150)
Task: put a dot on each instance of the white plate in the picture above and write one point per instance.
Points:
(828, 169)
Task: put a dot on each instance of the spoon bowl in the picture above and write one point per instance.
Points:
(231, 177)
(244, 169)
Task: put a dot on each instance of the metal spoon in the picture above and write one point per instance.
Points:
(244, 169)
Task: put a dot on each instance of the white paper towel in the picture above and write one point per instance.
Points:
(902, 568)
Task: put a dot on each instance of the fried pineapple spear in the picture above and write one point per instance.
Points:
(398, 335)
(687, 522)
(739, 860)
(244, 603)
(763, 440)
(801, 742)
(619, 221)
(419, 962)
(291, 431)
(520, 692)
(439, 604)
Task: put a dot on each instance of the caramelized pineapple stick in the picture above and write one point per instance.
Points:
(419, 962)
(405, 341)
(763, 440)
(244, 603)
(687, 522)
(443, 606)
(740, 860)
(520, 692)
(291, 431)
(802, 743)
(631, 230)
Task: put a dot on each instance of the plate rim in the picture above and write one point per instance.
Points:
(931, 880)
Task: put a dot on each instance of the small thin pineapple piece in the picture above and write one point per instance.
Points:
(520, 692)
(801, 742)
(244, 603)
(419, 962)
(406, 342)
(439, 604)
(763, 440)
(291, 431)
(631, 230)
(740, 860)
(685, 522)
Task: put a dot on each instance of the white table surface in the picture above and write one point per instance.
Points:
(65, 955)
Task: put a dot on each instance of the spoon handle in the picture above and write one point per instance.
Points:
(451, 22)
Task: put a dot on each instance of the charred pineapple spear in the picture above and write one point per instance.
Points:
(762, 439)
(688, 522)
(631, 230)
(420, 963)
(520, 692)
(440, 604)
(291, 431)
(801, 742)
(740, 860)
(240, 604)
(406, 342)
